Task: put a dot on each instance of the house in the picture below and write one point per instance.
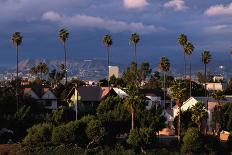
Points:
(215, 86)
(42, 94)
(86, 97)
(156, 96)
(218, 78)
(211, 102)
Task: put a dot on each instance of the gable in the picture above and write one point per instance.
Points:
(49, 95)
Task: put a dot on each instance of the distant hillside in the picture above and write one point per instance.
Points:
(84, 69)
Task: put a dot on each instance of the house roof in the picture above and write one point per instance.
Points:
(38, 90)
(154, 93)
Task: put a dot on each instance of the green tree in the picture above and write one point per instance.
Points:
(192, 142)
(182, 40)
(164, 66)
(179, 94)
(205, 58)
(134, 40)
(17, 40)
(95, 132)
(188, 49)
(107, 41)
(218, 96)
(63, 36)
(199, 113)
(40, 133)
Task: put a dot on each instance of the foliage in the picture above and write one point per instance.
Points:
(199, 113)
(192, 142)
(61, 116)
(95, 131)
(185, 120)
(140, 137)
(179, 91)
(226, 117)
(40, 133)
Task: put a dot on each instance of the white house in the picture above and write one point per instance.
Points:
(42, 95)
(194, 100)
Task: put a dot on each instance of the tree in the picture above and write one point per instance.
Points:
(17, 40)
(182, 39)
(107, 41)
(188, 49)
(193, 143)
(42, 68)
(40, 133)
(164, 66)
(179, 94)
(205, 58)
(199, 113)
(63, 36)
(134, 39)
(218, 96)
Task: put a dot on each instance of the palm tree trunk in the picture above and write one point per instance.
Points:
(178, 132)
(132, 119)
(108, 64)
(184, 65)
(135, 55)
(65, 67)
(164, 90)
(205, 82)
(17, 76)
(190, 75)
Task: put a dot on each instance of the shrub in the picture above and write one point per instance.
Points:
(192, 142)
(95, 131)
(73, 132)
(40, 133)
(141, 137)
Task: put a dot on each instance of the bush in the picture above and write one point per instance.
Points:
(73, 132)
(212, 144)
(40, 133)
(193, 143)
(141, 137)
(95, 131)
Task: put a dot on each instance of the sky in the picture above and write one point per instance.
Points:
(207, 23)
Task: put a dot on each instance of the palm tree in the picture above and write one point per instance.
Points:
(199, 113)
(134, 39)
(188, 49)
(164, 66)
(107, 41)
(182, 39)
(179, 94)
(205, 58)
(17, 40)
(42, 68)
(218, 96)
(63, 36)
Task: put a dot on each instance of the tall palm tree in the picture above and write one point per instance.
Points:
(107, 41)
(179, 94)
(17, 40)
(42, 68)
(63, 36)
(134, 39)
(188, 50)
(205, 58)
(164, 66)
(182, 39)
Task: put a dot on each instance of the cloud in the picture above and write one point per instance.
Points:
(80, 20)
(135, 4)
(219, 10)
(177, 5)
(218, 29)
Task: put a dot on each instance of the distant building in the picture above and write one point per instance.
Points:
(215, 86)
(113, 70)
(218, 78)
